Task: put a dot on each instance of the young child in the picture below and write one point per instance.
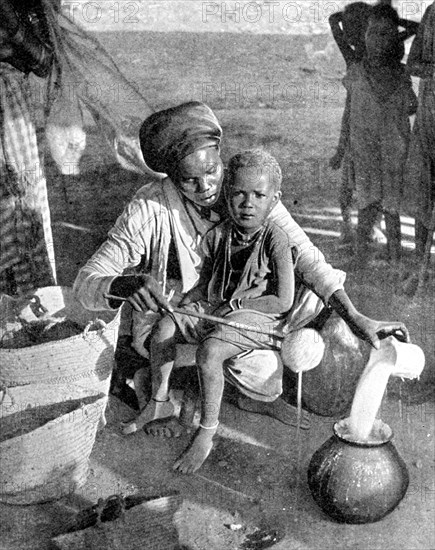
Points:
(381, 101)
(348, 29)
(247, 277)
(420, 180)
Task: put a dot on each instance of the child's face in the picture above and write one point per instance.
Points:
(251, 197)
(355, 36)
(381, 41)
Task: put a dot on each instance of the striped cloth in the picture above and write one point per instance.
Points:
(26, 253)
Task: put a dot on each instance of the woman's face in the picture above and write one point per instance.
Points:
(199, 176)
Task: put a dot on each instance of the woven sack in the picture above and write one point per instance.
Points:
(46, 437)
(84, 359)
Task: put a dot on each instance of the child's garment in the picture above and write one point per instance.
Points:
(382, 100)
(237, 273)
(255, 277)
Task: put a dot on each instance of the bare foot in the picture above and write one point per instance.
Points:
(347, 235)
(377, 236)
(278, 409)
(164, 427)
(152, 411)
(198, 450)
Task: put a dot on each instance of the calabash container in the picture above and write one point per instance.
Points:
(358, 482)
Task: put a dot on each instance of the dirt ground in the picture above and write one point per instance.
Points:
(275, 94)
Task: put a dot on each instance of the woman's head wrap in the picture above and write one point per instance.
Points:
(168, 136)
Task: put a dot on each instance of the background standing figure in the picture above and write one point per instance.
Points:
(381, 101)
(27, 255)
(420, 180)
(348, 29)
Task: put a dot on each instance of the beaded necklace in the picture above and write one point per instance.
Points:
(235, 235)
(241, 239)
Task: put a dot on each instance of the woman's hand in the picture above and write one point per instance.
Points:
(365, 328)
(373, 331)
(143, 292)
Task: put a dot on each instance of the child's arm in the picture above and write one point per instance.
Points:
(337, 32)
(411, 98)
(335, 161)
(411, 28)
(416, 65)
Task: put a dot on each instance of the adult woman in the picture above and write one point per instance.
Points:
(27, 257)
(420, 189)
(159, 234)
(36, 37)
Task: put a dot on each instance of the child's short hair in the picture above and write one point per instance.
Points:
(355, 20)
(257, 158)
(384, 11)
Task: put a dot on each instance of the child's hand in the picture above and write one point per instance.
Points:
(335, 161)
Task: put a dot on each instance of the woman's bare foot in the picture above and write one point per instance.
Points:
(196, 453)
(278, 409)
(175, 427)
(165, 427)
(153, 410)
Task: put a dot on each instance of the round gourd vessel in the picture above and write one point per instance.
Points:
(358, 482)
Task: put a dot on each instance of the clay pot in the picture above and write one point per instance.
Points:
(357, 482)
(329, 388)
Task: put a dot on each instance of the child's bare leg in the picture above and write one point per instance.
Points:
(376, 235)
(210, 357)
(140, 380)
(421, 234)
(366, 219)
(394, 245)
(345, 200)
(162, 351)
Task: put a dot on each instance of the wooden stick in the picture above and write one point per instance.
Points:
(233, 491)
(212, 318)
(299, 400)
